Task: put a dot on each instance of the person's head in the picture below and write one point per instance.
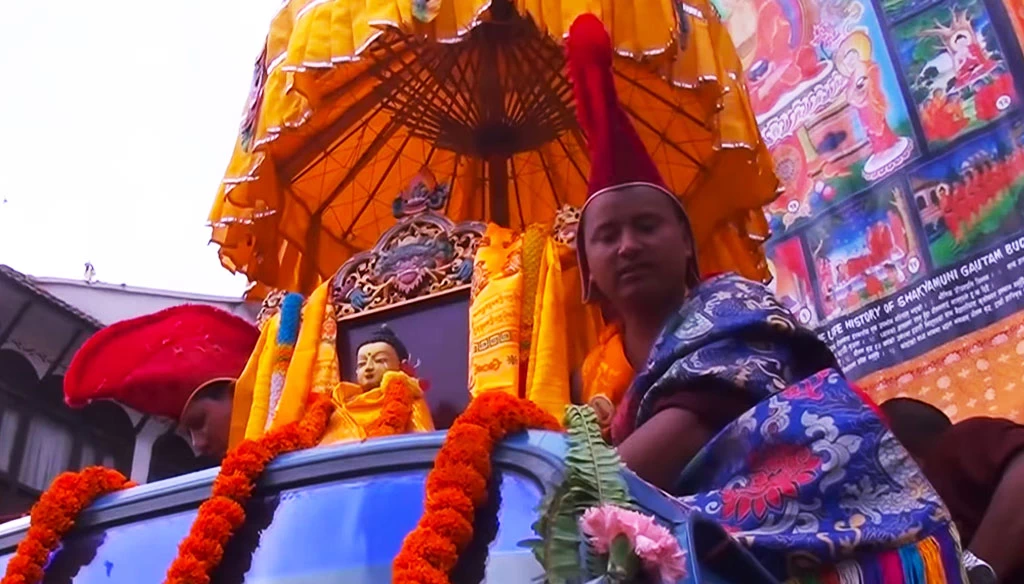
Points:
(207, 418)
(916, 424)
(634, 245)
(381, 353)
(179, 364)
(853, 56)
(637, 248)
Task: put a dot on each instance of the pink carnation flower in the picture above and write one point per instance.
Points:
(656, 547)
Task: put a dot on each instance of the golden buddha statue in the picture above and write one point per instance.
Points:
(384, 376)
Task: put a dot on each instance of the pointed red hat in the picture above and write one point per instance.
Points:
(618, 158)
(156, 363)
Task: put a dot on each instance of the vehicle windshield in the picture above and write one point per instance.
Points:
(346, 531)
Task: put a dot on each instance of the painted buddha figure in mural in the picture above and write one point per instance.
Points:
(382, 366)
(773, 41)
(965, 47)
(865, 93)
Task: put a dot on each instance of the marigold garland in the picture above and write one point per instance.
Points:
(54, 515)
(396, 414)
(223, 513)
(457, 485)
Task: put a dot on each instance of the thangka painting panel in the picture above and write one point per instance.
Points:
(864, 250)
(899, 137)
(971, 197)
(826, 96)
(955, 68)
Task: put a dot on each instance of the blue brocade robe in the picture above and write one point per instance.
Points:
(809, 479)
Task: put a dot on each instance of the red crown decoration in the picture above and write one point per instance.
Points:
(156, 363)
(617, 154)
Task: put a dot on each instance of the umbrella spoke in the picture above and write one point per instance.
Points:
(373, 193)
(433, 67)
(393, 124)
(317, 146)
(368, 155)
(664, 139)
(550, 110)
(519, 199)
(333, 144)
(565, 149)
(451, 185)
(666, 102)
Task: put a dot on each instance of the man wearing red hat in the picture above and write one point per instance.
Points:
(180, 363)
(730, 405)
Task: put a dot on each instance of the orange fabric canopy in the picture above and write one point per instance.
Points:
(355, 102)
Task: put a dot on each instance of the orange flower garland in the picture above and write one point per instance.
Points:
(223, 513)
(396, 414)
(457, 485)
(54, 515)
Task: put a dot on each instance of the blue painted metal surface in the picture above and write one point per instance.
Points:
(333, 514)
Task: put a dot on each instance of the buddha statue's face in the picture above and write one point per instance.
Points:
(373, 360)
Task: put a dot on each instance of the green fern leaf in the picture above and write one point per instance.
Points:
(592, 478)
(594, 466)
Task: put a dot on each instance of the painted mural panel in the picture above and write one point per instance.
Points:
(970, 197)
(826, 95)
(897, 129)
(958, 76)
(864, 251)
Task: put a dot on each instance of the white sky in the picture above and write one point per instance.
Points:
(118, 118)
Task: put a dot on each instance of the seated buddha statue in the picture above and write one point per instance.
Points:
(386, 398)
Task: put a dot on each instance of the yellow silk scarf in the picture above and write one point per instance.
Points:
(314, 368)
(356, 410)
(527, 308)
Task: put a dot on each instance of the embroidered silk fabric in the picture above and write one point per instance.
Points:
(249, 391)
(518, 319)
(807, 478)
(251, 400)
(315, 365)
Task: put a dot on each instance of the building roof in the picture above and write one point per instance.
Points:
(101, 303)
(28, 283)
(48, 282)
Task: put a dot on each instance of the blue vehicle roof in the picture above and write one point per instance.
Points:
(536, 456)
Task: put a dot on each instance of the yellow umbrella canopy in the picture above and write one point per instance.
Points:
(360, 110)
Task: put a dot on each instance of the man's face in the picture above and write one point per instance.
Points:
(373, 360)
(637, 249)
(208, 422)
